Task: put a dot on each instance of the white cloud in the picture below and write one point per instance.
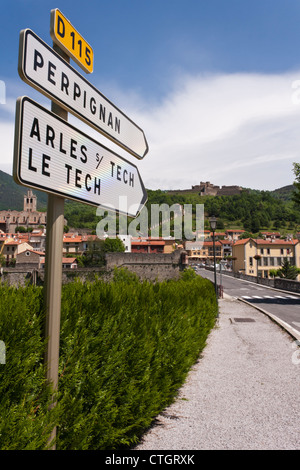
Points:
(6, 149)
(228, 129)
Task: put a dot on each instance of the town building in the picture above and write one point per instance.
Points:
(226, 248)
(29, 217)
(126, 239)
(30, 258)
(257, 257)
(234, 234)
(270, 235)
(153, 245)
(77, 244)
(67, 263)
(203, 252)
(147, 245)
(12, 247)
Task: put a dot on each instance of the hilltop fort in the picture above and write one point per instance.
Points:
(209, 189)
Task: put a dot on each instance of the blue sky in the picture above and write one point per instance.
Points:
(211, 83)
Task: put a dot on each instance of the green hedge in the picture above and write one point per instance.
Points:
(126, 347)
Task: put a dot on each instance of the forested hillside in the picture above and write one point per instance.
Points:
(12, 194)
(252, 211)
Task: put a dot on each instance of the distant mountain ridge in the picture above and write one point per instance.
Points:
(12, 194)
(284, 193)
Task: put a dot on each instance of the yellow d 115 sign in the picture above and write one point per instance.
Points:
(68, 38)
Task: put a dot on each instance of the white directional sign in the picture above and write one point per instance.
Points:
(41, 67)
(53, 156)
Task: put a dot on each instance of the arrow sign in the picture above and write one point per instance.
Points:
(53, 156)
(42, 68)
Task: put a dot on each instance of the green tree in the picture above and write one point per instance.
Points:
(255, 224)
(2, 260)
(95, 254)
(296, 194)
(113, 244)
(20, 229)
(288, 271)
(246, 235)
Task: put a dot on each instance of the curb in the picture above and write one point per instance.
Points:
(289, 329)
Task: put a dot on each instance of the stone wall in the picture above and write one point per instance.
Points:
(28, 275)
(287, 284)
(159, 266)
(150, 267)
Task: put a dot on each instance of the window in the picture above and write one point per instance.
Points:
(251, 261)
(261, 251)
(265, 261)
(281, 251)
(268, 251)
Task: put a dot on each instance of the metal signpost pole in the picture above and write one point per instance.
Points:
(53, 276)
(215, 267)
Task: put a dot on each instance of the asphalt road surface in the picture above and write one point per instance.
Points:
(283, 305)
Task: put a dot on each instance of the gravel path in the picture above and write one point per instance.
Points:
(243, 393)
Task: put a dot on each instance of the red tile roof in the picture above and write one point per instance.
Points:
(235, 231)
(210, 243)
(261, 241)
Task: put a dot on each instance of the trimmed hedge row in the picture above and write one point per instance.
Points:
(125, 349)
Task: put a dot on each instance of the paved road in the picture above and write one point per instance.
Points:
(283, 305)
(242, 394)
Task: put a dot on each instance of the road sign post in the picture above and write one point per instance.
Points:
(53, 278)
